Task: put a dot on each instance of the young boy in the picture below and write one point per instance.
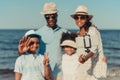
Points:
(30, 65)
(70, 61)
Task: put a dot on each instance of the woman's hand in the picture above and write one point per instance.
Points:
(104, 59)
(23, 45)
(82, 59)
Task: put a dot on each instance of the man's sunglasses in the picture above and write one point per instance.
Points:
(53, 16)
(81, 17)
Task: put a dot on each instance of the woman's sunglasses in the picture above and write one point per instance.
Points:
(81, 17)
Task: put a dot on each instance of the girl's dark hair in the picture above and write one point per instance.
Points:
(88, 23)
(68, 36)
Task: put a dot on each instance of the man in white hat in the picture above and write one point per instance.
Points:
(50, 35)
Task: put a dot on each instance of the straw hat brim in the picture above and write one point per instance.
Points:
(89, 15)
(31, 33)
(69, 43)
(49, 12)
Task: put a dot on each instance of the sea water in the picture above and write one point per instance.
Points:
(9, 40)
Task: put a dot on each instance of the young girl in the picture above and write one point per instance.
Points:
(30, 65)
(70, 61)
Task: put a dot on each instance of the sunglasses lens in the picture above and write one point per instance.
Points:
(76, 17)
(83, 17)
(50, 16)
(31, 43)
(54, 17)
(47, 17)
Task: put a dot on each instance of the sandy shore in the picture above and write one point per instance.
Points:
(9, 75)
(113, 78)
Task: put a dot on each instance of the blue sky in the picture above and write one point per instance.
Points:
(25, 14)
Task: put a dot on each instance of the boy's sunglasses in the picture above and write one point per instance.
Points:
(81, 17)
(53, 16)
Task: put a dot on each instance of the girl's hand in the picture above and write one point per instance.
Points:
(23, 45)
(46, 59)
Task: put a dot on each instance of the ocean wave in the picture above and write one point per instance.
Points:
(111, 65)
(8, 42)
(113, 57)
(112, 48)
(9, 48)
(6, 71)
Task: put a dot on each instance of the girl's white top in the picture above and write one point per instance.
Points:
(70, 66)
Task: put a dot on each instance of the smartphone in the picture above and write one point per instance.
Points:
(87, 41)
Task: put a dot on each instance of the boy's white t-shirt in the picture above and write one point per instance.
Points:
(30, 66)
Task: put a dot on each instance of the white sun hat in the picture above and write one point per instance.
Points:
(81, 10)
(31, 33)
(49, 8)
(68, 43)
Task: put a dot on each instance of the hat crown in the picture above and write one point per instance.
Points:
(29, 33)
(70, 43)
(49, 8)
(81, 9)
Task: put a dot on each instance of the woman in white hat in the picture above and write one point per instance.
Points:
(89, 47)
